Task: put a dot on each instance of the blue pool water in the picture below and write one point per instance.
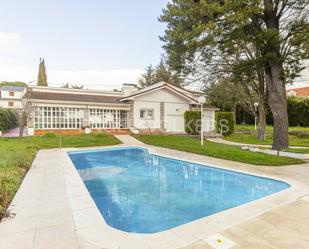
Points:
(136, 191)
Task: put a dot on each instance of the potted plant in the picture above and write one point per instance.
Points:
(87, 129)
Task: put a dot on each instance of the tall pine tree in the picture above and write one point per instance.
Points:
(200, 33)
(42, 77)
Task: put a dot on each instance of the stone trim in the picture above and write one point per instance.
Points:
(131, 114)
(162, 113)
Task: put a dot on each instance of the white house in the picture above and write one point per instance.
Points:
(159, 108)
(11, 96)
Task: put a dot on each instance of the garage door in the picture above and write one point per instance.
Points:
(174, 117)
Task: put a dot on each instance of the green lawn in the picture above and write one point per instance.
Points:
(228, 152)
(251, 139)
(296, 150)
(269, 129)
(18, 153)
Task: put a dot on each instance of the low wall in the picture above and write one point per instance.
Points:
(40, 132)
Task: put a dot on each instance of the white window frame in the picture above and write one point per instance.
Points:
(150, 117)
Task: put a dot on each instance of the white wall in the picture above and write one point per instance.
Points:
(208, 121)
(146, 124)
(174, 116)
(5, 104)
(17, 94)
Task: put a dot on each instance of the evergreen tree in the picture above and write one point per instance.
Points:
(147, 78)
(161, 73)
(164, 74)
(200, 33)
(42, 77)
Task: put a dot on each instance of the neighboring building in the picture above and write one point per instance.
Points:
(298, 92)
(158, 108)
(11, 96)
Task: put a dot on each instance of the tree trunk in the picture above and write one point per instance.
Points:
(234, 108)
(21, 131)
(278, 104)
(261, 129)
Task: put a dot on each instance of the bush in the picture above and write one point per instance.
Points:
(8, 120)
(225, 121)
(298, 110)
(49, 135)
(192, 122)
(303, 135)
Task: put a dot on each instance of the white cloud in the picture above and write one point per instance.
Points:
(10, 43)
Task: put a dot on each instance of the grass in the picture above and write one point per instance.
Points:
(228, 152)
(297, 150)
(251, 139)
(17, 155)
(269, 129)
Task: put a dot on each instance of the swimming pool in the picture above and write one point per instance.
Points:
(140, 192)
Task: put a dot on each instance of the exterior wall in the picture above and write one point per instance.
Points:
(208, 121)
(40, 132)
(66, 132)
(146, 124)
(4, 103)
(174, 117)
(165, 105)
(17, 94)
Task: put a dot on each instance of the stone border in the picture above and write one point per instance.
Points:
(91, 227)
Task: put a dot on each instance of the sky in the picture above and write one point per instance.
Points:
(97, 43)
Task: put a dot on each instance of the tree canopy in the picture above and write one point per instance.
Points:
(42, 76)
(160, 73)
(253, 39)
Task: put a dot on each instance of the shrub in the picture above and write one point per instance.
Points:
(192, 122)
(303, 135)
(225, 123)
(298, 110)
(23, 161)
(4, 194)
(49, 135)
(8, 120)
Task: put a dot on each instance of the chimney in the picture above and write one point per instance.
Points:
(128, 89)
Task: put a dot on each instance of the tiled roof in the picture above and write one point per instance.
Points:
(12, 88)
(72, 97)
(300, 92)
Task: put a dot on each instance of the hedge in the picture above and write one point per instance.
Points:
(225, 121)
(192, 122)
(298, 112)
(8, 120)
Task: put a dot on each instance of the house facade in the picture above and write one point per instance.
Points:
(159, 108)
(298, 92)
(11, 97)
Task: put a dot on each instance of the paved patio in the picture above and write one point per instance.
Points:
(54, 210)
(14, 133)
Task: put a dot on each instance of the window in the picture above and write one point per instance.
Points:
(11, 94)
(11, 104)
(146, 114)
(58, 118)
(108, 119)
